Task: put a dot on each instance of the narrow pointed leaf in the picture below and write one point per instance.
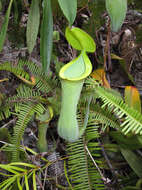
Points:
(132, 97)
(33, 25)
(46, 35)
(19, 184)
(80, 40)
(69, 8)
(8, 168)
(26, 182)
(5, 184)
(0, 5)
(117, 11)
(131, 143)
(22, 164)
(5, 26)
(133, 160)
(34, 181)
(17, 11)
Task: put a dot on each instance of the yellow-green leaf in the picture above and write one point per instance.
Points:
(22, 164)
(132, 97)
(6, 184)
(19, 184)
(26, 183)
(33, 25)
(80, 40)
(34, 180)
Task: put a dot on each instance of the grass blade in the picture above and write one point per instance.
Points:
(26, 182)
(5, 26)
(5, 184)
(19, 184)
(133, 160)
(34, 181)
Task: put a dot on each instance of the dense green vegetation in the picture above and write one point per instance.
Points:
(65, 97)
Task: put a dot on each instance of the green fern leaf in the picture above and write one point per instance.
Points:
(25, 113)
(132, 119)
(25, 70)
(83, 173)
(4, 112)
(91, 137)
(103, 116)
(78, 163)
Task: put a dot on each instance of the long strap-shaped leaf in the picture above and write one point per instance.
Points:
(46, 35)
(33, 25)
(5, 25)
(133, 160)
(133, 119)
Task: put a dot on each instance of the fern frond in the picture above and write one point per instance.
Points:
(44, 82)
(25, 94)
(91, 85)
(28, 100)
(16, 70)
(25, 70)
(78, 165)
(91, 137)
(83, 173)
(25, 113)
(4, 112)
(103, 116)
(131, 118)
